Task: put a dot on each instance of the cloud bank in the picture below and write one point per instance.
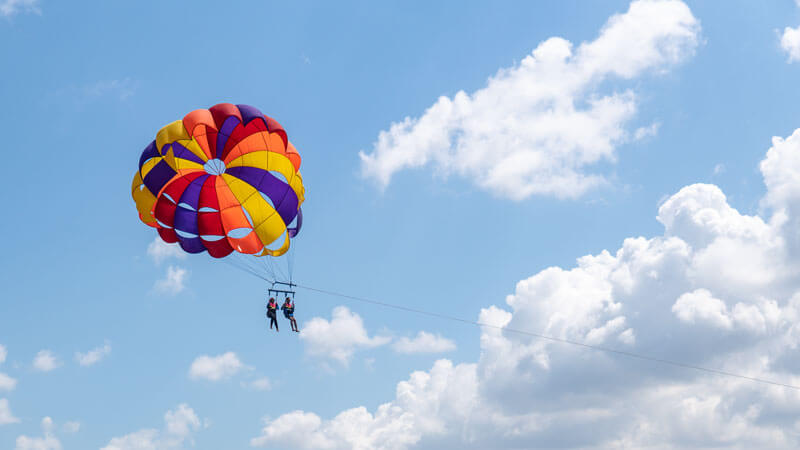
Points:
(717, 289)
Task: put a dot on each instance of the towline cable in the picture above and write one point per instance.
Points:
(551, 338)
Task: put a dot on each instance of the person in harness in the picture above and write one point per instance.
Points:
(272, 313)
(288, 312)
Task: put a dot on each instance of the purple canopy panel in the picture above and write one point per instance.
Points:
(151, 151)
(249, 113)
(158, 176)
(186, 219)
(184, 153)
(293, 231)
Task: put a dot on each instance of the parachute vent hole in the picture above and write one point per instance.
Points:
(167, 196)
(185, 205)
(214, 167)
(207, 209)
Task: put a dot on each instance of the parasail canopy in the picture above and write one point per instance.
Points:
(223, 179)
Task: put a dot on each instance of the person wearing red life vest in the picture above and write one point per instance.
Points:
(288, 312)
(272, 313)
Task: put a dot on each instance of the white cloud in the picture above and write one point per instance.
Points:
(424, 342)
(540, 127)
(47, 442)
(700, 306)
(179, 425)
(45, 361)
(93, 356)
(9, 8)
(338, 338)
(259, 384)
(425, 404)
(719, 289)
(790, 43)
(646, 132)
(71, 427)
(182, 421)
(215, 368)
(7, 383)
(5, 413)
(160, 251)
(174, 281)
(146, 439)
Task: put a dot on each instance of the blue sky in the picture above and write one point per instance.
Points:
(477, 206)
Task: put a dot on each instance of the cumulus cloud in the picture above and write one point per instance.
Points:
(173, 282)
(93, 356)
(5, 413)
(717, 289)
(179, 426)
(540, 127)
(424, 342)
(339, 338)
(699, 306)
(159, 251)
(45, 361)
(47, 442)
(790, 43)
(3, 353)
(9, 8)
(7, 383)
(215, 368)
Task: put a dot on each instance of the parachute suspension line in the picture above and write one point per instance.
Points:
(554, 339)
(246, 269)
(266, 263)
(276, 270)
(290, 262)
(244, 260)
(237, 262)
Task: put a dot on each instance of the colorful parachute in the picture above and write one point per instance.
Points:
(222, 179)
